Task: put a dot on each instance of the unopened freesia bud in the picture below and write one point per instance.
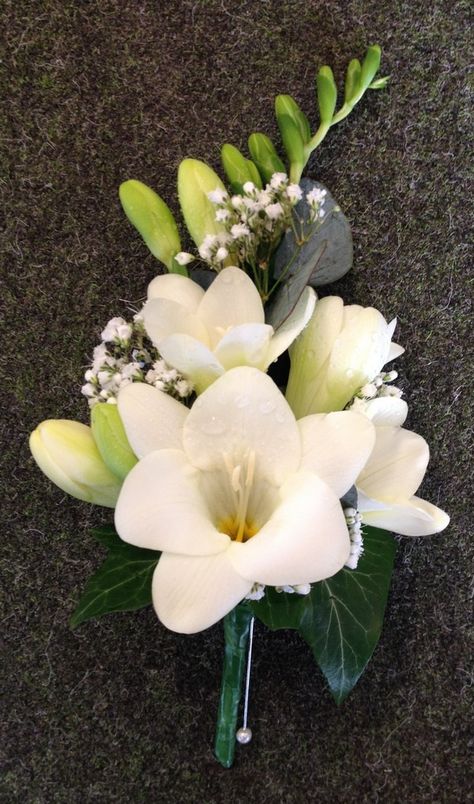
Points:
(67, 454)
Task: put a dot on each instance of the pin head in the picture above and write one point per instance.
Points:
(243, 735)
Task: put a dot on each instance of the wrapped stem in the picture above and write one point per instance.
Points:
(236, 635)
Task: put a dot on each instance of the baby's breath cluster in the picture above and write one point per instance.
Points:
(127, 355)
(258, 590)
(376, 388)
(354, 526)
(254, 222)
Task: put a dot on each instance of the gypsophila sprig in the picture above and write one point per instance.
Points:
(127, 355)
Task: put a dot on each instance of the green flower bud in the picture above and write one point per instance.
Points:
(239, 169)
(351, 86)
(265, 156)
(195, 181)
(327, 95)
(152, 218)
(285, 105)
(370, 65)
(294, 145)
(112, 442)
(67, 454)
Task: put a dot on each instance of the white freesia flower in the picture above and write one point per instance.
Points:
(235, 492)
(203, 334)
(341, 349)
(387, 484)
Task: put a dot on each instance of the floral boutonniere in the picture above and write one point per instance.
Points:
(236, 497)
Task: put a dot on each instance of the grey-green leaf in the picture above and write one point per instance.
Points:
(341, 619)
(122, 582)
(334, 234)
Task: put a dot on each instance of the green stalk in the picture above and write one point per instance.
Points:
(236, 634)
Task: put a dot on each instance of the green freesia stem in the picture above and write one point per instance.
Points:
(236, 634)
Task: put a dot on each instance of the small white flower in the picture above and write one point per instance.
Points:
(116, 329)
(183, 258)
(294, 192)
(302, 588)
(221, 254)
(369, 390)
(264, 198)
(315, 196)
(222, 215)
(217, 196)
(237, 201)
(274, 211)
(249, 187)
(239, 230)
(278, 180)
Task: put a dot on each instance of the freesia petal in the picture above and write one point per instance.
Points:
(384, 411)
(245, 345)
(396, 466)
(177, 288)
(306, 391)
(294, 324)
(336, 447)
(163, 317)
(160, 507)
(243, 410)
(359, 352)
(305, 540)
(191, 594)
(192, 359)
(232, 299)
(414, 517)
(394, 352)
(152, 419)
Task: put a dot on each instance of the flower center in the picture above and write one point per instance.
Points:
(239, 525)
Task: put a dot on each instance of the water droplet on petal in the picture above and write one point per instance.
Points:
(266, 407)
(213, 426)
(227, 278)
(242, 400)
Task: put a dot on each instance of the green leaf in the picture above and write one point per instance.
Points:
(265, 156)
(326, 253)
(327, 94)
(149, 214)
(341, 619)
(122, 582)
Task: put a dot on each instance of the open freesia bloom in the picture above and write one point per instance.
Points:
(235, 492)
(203, 334)
(387, 484)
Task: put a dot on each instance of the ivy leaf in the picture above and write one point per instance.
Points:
(122, 582)
(341, 619)
(332, 238)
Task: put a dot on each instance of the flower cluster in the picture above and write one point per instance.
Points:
(354, 526)
(127, 355)
(253, 221)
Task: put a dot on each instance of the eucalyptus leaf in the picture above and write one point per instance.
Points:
(122, 582)
(334, 232)
(341, 618)
(285, 299)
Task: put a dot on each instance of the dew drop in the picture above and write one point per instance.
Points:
(280, 417)
(266, 407)
(349, 373)
(242, 400)
(213, 426)
(226, 277)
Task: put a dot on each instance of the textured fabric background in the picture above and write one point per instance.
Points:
(96, 92)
